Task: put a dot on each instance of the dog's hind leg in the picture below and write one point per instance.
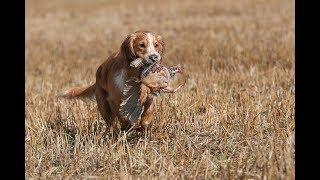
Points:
(104, 107)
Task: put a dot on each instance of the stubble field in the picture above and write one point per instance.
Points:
(234, 118)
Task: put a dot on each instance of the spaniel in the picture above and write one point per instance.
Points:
(116, 70)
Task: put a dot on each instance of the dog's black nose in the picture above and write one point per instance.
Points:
(154, 57)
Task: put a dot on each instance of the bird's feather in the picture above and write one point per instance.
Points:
(130, 107)
(137, 63)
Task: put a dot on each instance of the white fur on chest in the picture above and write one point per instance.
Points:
(119, 79)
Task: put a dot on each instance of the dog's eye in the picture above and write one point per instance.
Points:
(141, 45)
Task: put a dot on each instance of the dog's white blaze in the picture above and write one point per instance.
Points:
(119, 80)
(151, 49)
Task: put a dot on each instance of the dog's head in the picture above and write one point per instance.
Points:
(145, 45)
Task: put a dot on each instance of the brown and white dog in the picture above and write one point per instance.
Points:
(116, 70)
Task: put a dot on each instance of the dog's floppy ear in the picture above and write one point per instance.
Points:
(127, 47)
(161, 41)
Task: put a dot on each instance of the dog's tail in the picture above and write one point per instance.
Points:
(79, 92)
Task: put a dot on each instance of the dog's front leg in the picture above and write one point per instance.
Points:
(147, 115)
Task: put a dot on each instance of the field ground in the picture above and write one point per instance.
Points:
(233, 119)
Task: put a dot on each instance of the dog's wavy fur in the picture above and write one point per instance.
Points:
(111, 75)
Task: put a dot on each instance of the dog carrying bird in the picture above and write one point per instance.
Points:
(138, 52)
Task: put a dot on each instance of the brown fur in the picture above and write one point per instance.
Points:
(108, 96)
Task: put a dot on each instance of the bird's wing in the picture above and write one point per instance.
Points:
(130, 107)
(137, 63)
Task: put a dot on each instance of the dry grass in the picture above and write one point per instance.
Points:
(233, 119)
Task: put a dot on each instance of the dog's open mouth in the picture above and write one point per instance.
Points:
(146, 65)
